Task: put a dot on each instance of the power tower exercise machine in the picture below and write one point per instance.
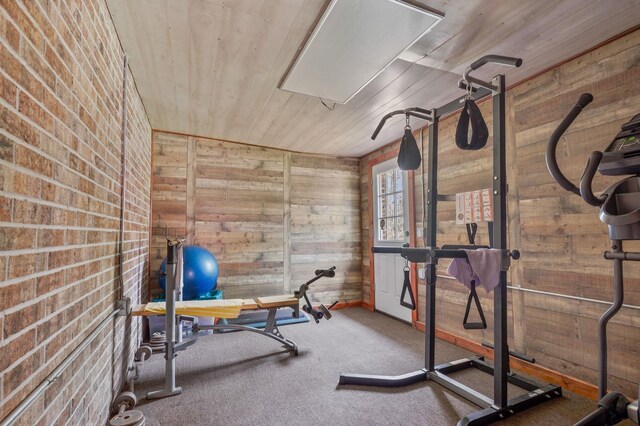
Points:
(499, 406)
(620, 210)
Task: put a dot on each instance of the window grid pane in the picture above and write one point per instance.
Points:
(390, 205)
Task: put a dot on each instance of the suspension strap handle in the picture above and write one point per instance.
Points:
(473, 295)
(406, 288)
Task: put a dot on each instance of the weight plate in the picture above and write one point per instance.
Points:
(128, 418)
(128, 399)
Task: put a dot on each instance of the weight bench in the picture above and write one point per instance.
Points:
(175, 309)
(229, 309)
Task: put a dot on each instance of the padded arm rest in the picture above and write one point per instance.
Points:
(276, 301)
(229, 308)
(202, 308)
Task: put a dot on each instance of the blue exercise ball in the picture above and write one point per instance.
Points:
(200, 273)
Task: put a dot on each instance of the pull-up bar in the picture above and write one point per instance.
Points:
(417, 112)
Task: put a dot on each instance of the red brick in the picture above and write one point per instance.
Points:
(24, 23)
(14, 294)
(19, 73)
(60, 258)
(21, 183)
(8, 90)
(76, 237)
(17, 238)
(65, 217)
(21, 265)
(58, 66)
(57, 343)
(16, 348)
(34, 60)
(32, 413)
(93, 267)
(15, 376)
(29, 212)
(65, 297)
(6, 149)
(40, 18)
(3, 268)
(18, 127)
(55, 193)
(87, 120)
(50, 282)
(29, 108)
(33, 161)
(53, 105)
(51, 326)
(50, 237)
(11, 34)
(5, 203)
(77, 164)
(23, 318)
(54, 148)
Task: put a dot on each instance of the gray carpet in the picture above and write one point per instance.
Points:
(246, 379)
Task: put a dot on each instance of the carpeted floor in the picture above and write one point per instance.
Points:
(246, 379)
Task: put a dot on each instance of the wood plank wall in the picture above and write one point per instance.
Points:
(271, 217)
(562, 284)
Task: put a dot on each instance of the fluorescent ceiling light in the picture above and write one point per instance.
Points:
(354, 41)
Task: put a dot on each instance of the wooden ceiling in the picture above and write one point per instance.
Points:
(212, 67)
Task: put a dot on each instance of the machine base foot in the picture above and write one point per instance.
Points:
(164, 393)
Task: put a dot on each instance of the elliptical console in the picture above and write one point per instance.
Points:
(622, 156)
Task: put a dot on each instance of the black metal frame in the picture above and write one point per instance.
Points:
(623, 225)
(498, 407)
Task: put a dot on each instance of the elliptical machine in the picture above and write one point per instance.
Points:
(620, 210)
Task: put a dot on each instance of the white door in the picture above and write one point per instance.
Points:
(390, 229)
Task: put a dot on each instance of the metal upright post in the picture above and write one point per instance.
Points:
(178, 289)
(501, 351)
(432, 230)
(618, 300)
(174, 258)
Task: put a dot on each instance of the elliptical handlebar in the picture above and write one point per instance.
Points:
(550, 156)
(587, 178)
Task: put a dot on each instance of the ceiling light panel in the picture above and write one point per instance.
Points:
(354, 41)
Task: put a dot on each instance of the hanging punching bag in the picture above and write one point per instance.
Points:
(409, 155)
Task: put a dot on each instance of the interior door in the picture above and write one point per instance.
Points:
(391, 229)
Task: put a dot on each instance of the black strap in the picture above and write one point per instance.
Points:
(409, 155)
(473, 295)
(472, 229)
(406, 288)
(479, 131)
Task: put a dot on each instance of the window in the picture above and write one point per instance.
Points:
(390, 205)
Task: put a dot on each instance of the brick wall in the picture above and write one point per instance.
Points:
(60, 173)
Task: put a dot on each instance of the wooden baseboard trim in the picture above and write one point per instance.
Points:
(545, 374)
(367, 305)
